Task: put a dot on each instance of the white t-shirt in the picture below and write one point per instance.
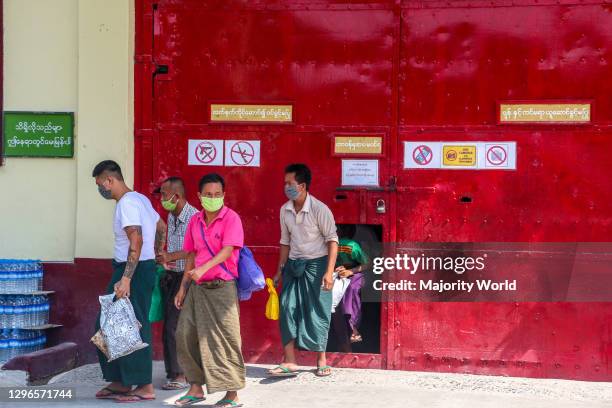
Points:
(134, 209)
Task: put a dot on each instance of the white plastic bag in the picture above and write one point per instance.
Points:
(119, 326)
(340, 286)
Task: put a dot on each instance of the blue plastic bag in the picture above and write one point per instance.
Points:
(250, 276)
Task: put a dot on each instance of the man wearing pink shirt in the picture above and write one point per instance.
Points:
(208, 331)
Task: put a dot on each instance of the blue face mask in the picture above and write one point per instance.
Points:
(292, 192)
(107, 194)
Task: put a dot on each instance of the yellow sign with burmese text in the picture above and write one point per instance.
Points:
(544, 113)
(358, 145)
(251, 113)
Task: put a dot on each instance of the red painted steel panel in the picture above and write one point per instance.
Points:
(259, 209)
(558, 192)
(455, 64)
(553, 340)
(323, 61)
(423, 70)
(465, 59)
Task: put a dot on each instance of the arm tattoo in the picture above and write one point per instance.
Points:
(133, 253)
(160, 236)
(160, 240)
(136, 228)
(131, 265)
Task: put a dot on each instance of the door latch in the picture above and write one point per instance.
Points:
(381, 207)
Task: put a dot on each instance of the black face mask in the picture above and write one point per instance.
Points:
(107, 194)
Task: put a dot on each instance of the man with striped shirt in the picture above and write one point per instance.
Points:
(180, 211)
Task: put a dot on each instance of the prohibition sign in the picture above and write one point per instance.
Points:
(242, 153)
(422, 155)
(205, 152)
(496, 155)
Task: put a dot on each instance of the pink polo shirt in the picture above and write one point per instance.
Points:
(224, 230)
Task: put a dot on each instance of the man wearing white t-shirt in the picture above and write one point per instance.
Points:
(140, 233)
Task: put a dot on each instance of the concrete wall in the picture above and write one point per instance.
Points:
(105, 112)
(66, 55)
(40, 68)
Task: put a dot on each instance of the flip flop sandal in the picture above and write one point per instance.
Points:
(321, 371)
(174, 385)
(228, 403)
(133, 398)
(112, 394)
(285, 372)
(189, 400)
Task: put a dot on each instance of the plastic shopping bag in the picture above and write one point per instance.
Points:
(338, 290)
(272, 307)
(156, 312)
(119, 326)
(98, 340)
(250, 275)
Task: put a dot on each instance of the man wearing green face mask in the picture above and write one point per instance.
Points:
(180, 212)
(208, 333)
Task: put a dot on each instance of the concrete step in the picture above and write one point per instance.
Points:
(42, 365)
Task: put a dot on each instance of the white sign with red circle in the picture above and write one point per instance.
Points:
(421, 155)
(496, 155)
(205, 152)
(243, 153)
(486, 155)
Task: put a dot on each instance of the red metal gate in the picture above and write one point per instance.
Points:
(406, 70)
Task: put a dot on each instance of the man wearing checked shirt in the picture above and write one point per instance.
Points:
(180, 212)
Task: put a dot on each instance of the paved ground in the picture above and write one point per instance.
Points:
(363, 388)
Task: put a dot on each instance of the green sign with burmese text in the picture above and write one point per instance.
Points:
(38, 134)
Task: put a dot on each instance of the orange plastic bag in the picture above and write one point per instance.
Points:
(272, 307)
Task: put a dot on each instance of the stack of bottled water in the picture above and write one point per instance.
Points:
(21, 308)
(19, 276)
(22, 311)
(14, 342)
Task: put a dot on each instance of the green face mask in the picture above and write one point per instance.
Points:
(212, 204)
(169, 205)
